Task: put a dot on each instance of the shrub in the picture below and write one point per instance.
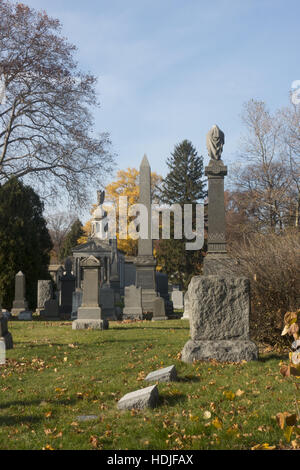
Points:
(272, 263)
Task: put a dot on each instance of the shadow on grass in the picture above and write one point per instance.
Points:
(188, 378)
(172, 400)
(50, 402)
(153, 326)
(15, 420)
(272, 357)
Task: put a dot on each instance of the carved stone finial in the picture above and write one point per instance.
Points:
(215, 140)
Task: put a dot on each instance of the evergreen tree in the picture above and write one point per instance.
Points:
(184, 182)
(71, 240)
(183, 185)
(25, 242)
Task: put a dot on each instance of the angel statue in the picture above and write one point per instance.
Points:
(215, 140)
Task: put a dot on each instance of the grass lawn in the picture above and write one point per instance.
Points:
(55, 374)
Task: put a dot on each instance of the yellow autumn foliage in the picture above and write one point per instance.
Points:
(126, 184)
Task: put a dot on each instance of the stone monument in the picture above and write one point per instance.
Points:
(216, 260)
(145, 262)
(187, 307)
(45, 293)
(20, 303)
(90, 313)
(177, 299)
(219, 301)
(133, 303)
(67, 282)
(5, 335)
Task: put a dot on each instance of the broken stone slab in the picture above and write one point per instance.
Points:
(168, 374)
(81, 324)
(221, 351)
(140, 399)
(86, 418)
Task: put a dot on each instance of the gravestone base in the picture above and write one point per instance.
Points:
(16, 310)
(222, 351)
(159, 312)
(81, 324)
(132, 314)
(149, 296)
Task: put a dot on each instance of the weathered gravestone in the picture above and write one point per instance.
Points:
(187, 307)
(90, 313)
(45, 293)
(26, 315)
(51, 309)
(140, 399)
(2, 352)
(76, 302)
(219, 321)
(20, 303)
(162, 285)
(67, 283)
(159, 311)
(177, 299)
(5, 335)
(107, 303)
(133, 303)
(167, 374)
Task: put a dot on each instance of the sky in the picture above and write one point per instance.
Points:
(170, 69)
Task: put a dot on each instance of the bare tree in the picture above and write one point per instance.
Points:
(46, 126)
(58, 226)
(291, 143)
(264, 176)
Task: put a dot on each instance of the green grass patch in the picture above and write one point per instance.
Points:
(55, 374)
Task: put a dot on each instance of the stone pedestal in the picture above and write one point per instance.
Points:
(217, 261)
(20, 303)
(5, 335)
(90, 313)
(219, 322)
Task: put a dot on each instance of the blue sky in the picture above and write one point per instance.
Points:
(170, 69)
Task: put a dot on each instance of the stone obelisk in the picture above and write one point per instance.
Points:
(145, 261)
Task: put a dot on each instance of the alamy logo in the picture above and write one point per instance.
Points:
(295, 95)
(136, 222)
(2, 90)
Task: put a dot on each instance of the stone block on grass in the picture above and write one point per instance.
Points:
(167, 374)
(140, 399)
